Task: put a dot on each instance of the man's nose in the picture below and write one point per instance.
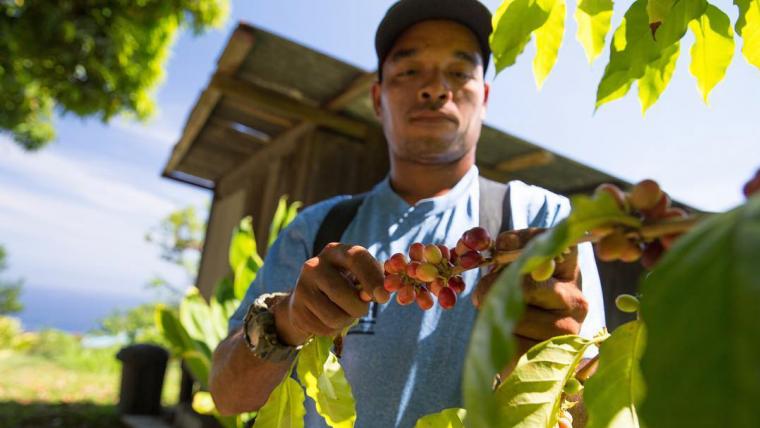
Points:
(435, 90)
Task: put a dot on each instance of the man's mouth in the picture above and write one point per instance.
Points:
(432, 117)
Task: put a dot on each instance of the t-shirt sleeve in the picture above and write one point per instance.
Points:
(283, 261)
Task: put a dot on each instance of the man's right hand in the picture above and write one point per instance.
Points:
(326, 298)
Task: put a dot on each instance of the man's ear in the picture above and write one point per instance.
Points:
(376, 99)
(486, 92)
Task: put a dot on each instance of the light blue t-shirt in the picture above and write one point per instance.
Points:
(402, 362)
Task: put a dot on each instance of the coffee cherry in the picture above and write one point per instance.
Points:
(572, 386)
(406, 295)
(657, 211)
(456, 283)
(411, 269)
(652, 254)
(627, 303)
(437, 285)
(614, 191)
(477, 239)
(426, 272)
(393, 282)
(447, 298)
(645, 195)
(631, 253)
(417, 251)
(424, 299)
(432, 254)
(470, 259)
(461, 248)
(544, 271)
(444, 251)
(396, 264)
(611, 246)
(674, 212)
(453, 256)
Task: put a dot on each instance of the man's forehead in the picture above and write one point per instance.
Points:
(445, 35)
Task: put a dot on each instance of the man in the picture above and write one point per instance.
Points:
(431, 99)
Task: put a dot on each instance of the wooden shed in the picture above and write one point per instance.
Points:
(280, 118)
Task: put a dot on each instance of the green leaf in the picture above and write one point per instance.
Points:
(284, 408)
(532, 395)
(449, 418)
(199, 365)
(657, 10)
(195, 316)
(593, 18)
(548, 41)
(614, 391)
(657, 76)
(676, 21)
(703, 336)
(748, 27)
(243, 244)
(277, 219)
(321, 373)
(244, 276)
(712, 50)
(491, 344)
(513, 23)
(197, 354)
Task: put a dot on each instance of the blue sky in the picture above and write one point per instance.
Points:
(73, 216)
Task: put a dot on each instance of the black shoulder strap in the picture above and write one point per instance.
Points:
(495, 214)
(495, 211)
(336, 222)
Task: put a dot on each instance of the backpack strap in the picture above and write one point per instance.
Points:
(495, 210)
(336, 222)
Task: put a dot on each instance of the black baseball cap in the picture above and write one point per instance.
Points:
(405, 13)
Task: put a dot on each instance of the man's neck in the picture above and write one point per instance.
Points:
(415, 181)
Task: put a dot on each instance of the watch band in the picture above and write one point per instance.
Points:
(261, 333)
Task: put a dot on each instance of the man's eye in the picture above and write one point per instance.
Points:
(461, 75)
(408, 72)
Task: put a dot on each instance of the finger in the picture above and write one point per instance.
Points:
(357, 260)
(539, 324)
(306, 321)
(340, 291)
(552, 294)
(567, 268)
(332, 315)
(483, 287)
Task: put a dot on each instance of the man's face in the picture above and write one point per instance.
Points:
(432, 99)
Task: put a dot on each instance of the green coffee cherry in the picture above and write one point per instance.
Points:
(572, 386)
(627, 303)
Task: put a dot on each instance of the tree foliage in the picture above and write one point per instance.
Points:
(643, 49)
(87, 58)
(9, 290)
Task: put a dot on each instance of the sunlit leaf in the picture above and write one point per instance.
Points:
(449, 418)
(676, 21)
(195, 316)
(593, 18)
(322, 375)
(700, 306)
(277, 219)
(657, 76)
(243, 243)
(284, 408)
(614, 391)
(548, 41)
(712, 50)
(513, 23)
(748, 27)
(244, 276)
(657, 10)
(203, 403)
(531, 396)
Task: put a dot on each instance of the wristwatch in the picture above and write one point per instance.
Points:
(261, 333)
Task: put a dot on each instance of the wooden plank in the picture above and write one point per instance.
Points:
(268, 203)
(280, 104)
(277, 147)
(246, 107)
(359, 87)
(526, 161)
(240, 44)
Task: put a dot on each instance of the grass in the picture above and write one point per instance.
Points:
(72, 389)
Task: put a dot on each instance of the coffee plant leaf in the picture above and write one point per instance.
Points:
(531, 396)
(284, 408)
(617, 388)
(449, 418)
(593, 18)
(713, 49)
(700, 308)
(548, 41)
(322, 375)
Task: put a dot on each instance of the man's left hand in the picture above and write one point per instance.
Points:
(552, 308)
